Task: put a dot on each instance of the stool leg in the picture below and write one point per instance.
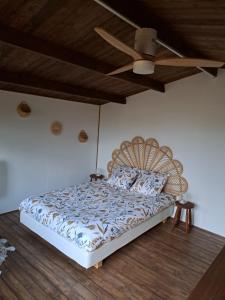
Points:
(177, 216)
(188, 220)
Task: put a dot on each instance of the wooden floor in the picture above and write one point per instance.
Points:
(212, 284)
(161, 264)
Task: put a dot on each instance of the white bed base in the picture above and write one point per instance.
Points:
(81, 256)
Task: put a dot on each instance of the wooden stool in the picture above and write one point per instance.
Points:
(187, 206)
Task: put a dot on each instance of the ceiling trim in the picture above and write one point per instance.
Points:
(33, 44)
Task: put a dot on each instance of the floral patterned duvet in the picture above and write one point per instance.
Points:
(94, 213)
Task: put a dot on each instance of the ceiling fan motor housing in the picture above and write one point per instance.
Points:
(145, 44)
(145, 41)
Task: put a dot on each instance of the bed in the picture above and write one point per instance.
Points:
(90, 221)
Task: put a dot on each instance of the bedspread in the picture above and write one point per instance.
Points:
(93, 213)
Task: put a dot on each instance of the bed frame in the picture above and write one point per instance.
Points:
(81, 256)
(139, 153)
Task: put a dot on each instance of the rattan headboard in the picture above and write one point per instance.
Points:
(148, 155)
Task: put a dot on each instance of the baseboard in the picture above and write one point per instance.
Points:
(9, 212)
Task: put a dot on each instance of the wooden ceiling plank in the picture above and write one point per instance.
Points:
(28, 42)
(141, 15)
(44, 13)
(27, 80)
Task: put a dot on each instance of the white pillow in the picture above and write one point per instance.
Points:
(123, 177)
(149, 183)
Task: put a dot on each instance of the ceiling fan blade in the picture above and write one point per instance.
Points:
(118, 44)
(122, 69)
(189, 62)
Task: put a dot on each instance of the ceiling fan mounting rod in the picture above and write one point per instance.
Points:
(158, 41)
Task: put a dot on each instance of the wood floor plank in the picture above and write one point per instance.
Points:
(17, 287)
(5, 292)
(72, 268)
(198, 235)
(148, 278)
(170, 274)
(78, 273)
(202, 250)
(32, 279)
(161, 264)
(70, 287)
(172, 252)
(169, 258)
(212, 284)
(46, 276)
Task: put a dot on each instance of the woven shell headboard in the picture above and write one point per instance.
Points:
(148, 155)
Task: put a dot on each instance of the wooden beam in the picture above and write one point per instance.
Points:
(49, 94)
(139, 13)
(26, 41)
(140, 80)
(30, 81)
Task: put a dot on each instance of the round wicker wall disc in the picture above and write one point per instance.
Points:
(23, 109)
(83, 137)
(56, 128)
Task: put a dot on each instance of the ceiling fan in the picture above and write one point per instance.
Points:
(143, 54)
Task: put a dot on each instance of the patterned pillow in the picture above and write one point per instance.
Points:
(123, 177)
(149, 183)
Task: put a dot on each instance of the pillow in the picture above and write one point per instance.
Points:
(123, 177)
(149, 183)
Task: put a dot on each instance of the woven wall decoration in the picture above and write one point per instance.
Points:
(56, 128)
(83, 137)
(23, 110)
(148, 155)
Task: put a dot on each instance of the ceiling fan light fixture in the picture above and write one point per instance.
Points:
(143, 67)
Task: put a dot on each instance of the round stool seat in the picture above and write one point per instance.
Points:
(185, 205)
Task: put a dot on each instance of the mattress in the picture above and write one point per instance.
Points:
(92, 214)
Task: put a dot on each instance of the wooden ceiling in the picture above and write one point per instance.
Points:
(49, 47)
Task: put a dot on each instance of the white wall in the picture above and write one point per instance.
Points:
(32, 160)
(190, 119)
